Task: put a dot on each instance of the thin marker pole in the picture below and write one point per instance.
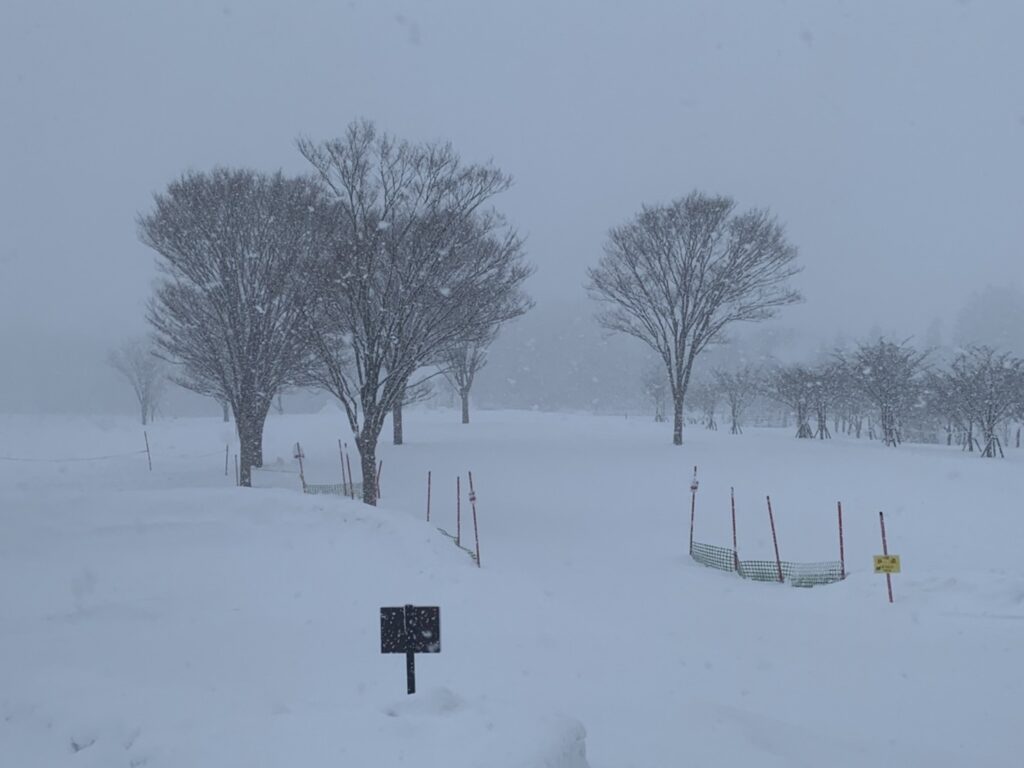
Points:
(458, 510)
(842, 551)
(238, 480)
(351, 480)
(885, 551)
(775, 540)
(380, 467)
(693, 505)
(227, 446)
(149, 456)
(735, 548)
(344, 480)
(476, 531)
(428, 496)
(302, 472)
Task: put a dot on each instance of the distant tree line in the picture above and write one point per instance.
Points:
(884, 390)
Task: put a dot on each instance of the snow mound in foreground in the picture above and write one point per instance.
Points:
(436, 727)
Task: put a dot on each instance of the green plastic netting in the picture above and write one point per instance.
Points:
(794, 574)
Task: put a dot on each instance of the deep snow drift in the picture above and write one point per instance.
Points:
(169, 619)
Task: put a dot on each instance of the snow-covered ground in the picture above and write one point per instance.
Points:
(171, 619)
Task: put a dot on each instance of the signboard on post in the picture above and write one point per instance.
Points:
(887, 563)
(410, 629)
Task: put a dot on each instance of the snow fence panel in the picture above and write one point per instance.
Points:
(325, 489)
(794, 574)
(759, 570)
(714, 557)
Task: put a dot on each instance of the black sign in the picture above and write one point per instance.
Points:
(410, 629)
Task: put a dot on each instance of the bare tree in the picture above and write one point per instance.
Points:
(656, 386)
(417, 264)
(739, 387)
(889, 375)
(677, 275)
(982, 387)
(705, 396)
(417, 393)
(825, 393)
(146, 373)
(462, 361)
(239, 253)
(793, 385)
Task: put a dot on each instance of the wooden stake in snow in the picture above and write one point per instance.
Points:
(227, 448)
(775, 540)
(238, 480)
(428, 496)
(380, 468)
(149, 456)
(476, 531)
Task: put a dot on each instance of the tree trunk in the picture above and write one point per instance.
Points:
(366, 444)
(464, 394)
(396, 422)
(145, 414)
(249, 442)
(257, 456)
(227, 412)
(677, 424)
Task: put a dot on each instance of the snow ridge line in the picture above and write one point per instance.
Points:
(75, 458)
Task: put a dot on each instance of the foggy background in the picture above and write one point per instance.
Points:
(889, 137)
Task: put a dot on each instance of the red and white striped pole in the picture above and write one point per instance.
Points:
(476, 531)
(775, 540)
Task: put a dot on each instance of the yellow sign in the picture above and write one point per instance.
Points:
(887, 563)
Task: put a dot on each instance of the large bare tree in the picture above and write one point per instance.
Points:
(147, 373)
(419, 264)
(239, 257)
(677, 275)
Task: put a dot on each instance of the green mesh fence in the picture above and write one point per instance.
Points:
(714, 557)
(759, 570)
(812, 574)
(331, 489)
(794, 574)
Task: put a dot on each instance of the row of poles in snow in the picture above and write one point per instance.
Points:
(458, 514)
(775, 540)
(771, 520)
(347, 482)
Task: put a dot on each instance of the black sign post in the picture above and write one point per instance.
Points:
(410, 630)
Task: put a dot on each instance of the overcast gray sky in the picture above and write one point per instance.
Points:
(889, 136)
